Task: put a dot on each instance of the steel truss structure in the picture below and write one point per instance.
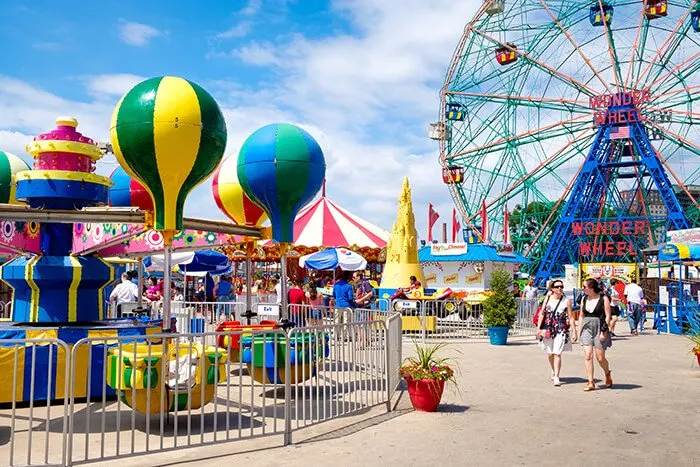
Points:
(517, 125)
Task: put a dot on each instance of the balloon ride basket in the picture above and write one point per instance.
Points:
(232, 342)
(155, 378)
(267, 355)
(41, 367)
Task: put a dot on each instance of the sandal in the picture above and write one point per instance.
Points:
(608, 379)
(590, 386)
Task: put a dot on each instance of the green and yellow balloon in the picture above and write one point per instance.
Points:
(169, 134)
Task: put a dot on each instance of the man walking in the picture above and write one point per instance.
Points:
(125, 292)
(344, 299)
(635, 302)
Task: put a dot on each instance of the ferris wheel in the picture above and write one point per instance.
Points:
(523, 98)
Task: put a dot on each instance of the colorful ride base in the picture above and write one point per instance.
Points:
(232, 342)
(266, 356)
(155, 378)
(39, 360)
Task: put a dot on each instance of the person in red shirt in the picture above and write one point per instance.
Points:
(295, 298)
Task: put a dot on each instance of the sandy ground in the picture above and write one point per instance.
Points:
(507, 412)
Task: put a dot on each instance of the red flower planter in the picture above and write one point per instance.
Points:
(425, 393)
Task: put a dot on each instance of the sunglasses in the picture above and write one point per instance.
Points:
(558, 287)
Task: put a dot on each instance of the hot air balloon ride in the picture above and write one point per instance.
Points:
(230, 198)
(128, 192)
(169, 135)
(281, 168)
(238, 207)
(10, 165)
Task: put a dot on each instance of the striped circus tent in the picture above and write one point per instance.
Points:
(324, 223)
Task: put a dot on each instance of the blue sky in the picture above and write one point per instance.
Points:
(363, 76)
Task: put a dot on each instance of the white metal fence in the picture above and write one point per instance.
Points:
(449, 319)
(192, 389)
(32, 432)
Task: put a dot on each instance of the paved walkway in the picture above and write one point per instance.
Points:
(508, 413)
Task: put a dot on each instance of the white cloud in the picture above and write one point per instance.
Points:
(137, 34)
(367, 99)
(252, 8)
(15, 142)
(238, 30)
(48, 46)
(372, 95)
(257, 54)
(112, 84)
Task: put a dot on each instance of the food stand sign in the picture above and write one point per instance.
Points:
(448, 249)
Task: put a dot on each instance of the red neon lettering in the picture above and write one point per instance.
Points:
(626, 227)
(598, 249)
(577, 228)
(599, 118)
(620, 99)
(584, 249)
(614, 228)
(632, 251)
(609, 248)
(621, 248)
(601, 228)
(589, 228)
(639, 227)
(644, 97)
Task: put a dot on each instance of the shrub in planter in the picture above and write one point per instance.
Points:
(425, 375)
(500, 307)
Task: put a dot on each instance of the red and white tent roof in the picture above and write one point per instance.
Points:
(324, 223)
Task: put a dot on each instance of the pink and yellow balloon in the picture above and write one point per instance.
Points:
(229, 196)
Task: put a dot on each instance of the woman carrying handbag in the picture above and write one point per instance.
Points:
(553, 327)
(594, 325)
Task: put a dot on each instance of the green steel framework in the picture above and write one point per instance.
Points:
(528, 124)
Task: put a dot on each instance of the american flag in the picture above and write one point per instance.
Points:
(620, 132)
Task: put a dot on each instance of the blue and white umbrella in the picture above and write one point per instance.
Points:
(332, 258)
(194, 262)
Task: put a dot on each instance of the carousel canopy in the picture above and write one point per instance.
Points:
(324, 223)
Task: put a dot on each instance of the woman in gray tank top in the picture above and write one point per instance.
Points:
(594, 326)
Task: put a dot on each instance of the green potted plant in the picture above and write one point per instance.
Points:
(500, 307)
(425, 375)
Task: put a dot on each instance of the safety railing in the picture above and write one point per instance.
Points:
(352, 375)
(34, 370)
(451, 319)
(393, 343)
(133, 395)
(381, 304)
